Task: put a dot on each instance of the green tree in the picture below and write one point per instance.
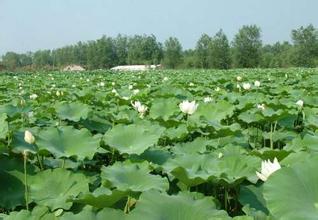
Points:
(121, 48)
(277, 55)
(11, 60)
(42, 58)
(219, 55)
(144, 50)
(202, 51)
(172, 53)
(305, 41)
(247, 47)
(189, 59)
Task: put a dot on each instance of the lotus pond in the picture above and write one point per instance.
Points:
(195, 144)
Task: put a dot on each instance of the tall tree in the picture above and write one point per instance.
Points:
(247, 47)
(219, 55)
(202, 51)
(172, 53)
(305, 40)
(144, 50)
(42, 58)
(11, 60)
(121, 48)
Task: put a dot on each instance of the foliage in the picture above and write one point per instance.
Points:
(96, 157)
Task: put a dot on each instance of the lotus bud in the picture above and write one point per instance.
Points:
(28, 137)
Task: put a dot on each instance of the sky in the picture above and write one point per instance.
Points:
(29, 25)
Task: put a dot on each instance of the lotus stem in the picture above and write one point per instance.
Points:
(127, 206)
(226, 195)
(26, 191)
(271, 137)
(40, 161)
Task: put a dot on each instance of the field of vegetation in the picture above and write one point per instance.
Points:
(197, 144)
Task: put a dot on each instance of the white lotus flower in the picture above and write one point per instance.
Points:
(300, 103)
(165, 79)
(191, 84)
(136, 105)
(238, 86)
(30, 114)
(286, 76)
(257, 83)
(220, 155)
(28, 137)
(87, 80)
(130, 87)
(261, 107)
(33, 96)
(142, 109)
(238, 78)
(188, 107)
(114, 91)
(102, 84)
(139, 107)
(207, 99)
(73, 85)
(217, 89)
(136, 91)
(246, 86)
(268, 168)
(58, 93)
(113, 83)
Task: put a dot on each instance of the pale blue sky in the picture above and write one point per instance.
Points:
(28, 25)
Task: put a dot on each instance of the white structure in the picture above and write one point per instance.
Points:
(73, 68)
(135, 67)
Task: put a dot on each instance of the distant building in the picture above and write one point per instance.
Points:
(73, 68)
(135, 67)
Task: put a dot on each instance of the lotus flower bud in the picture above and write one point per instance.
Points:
(28, 137)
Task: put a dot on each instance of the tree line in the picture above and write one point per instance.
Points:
(245, 51)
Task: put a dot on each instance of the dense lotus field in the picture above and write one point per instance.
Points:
(159, 145)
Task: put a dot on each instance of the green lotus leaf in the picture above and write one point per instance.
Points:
(39, 212)
(234, 169)
(196, 146)
(250, 116)
(153, 205)
(177, 133)
(68, 142)
(253, 196)
(102, 197)
(133, 139)
(292, 192)
(133, 176)
(164, 108)
(12, 182)
(155, 155)
(188, 168)
(11, 110)
(74, 111)
(89, 214)
(3, 126)
(213, 112)
(53, 188)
